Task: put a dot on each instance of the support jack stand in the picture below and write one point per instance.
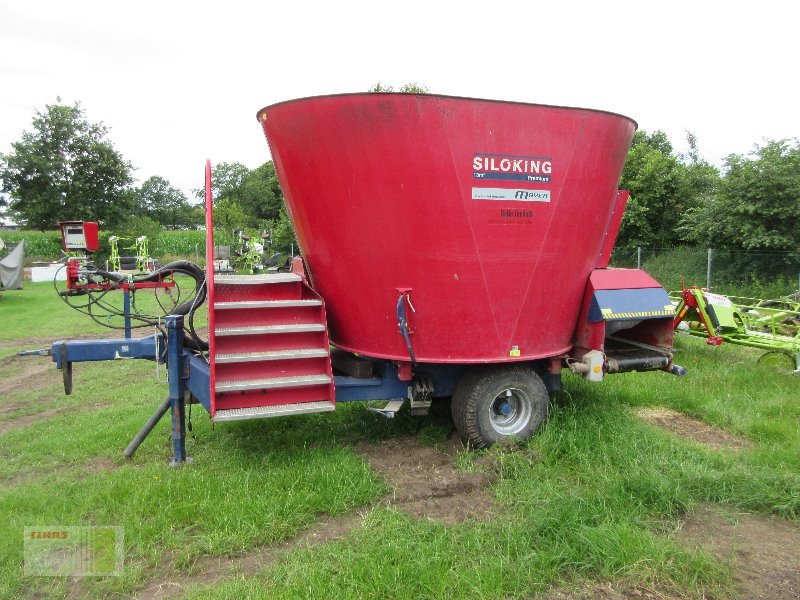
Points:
(176, 402)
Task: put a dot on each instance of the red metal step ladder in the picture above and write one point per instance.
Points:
(271, 353)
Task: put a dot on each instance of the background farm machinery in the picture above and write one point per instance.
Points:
(772, 325)
(250, 256)
(465, 283)
(139, 261)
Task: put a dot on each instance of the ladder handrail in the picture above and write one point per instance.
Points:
(210, 288)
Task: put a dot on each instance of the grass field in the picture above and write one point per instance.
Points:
(310, 507)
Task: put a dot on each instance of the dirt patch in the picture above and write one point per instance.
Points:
(700, 432)
(36, 373)
(211, 570)
(100, 464)
(613, 591)
(762, 551)
(24, 421)
(13, 407)
(427, 483)
(94, 466)
(49, 413)
(33, 342)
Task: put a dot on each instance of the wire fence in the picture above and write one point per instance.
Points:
(750, 274)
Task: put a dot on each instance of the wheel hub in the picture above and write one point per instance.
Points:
(510, 411)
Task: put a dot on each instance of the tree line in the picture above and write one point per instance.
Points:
(752, 203)
(66, 168)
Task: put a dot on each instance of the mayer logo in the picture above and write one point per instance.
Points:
(512, 168)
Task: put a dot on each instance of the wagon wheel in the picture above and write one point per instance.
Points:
(781, 360)
(497, 404)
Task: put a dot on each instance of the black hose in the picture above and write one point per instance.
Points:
(188, 307)
(187, 268)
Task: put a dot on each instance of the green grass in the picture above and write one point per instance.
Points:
(593, 497)
(37, 312)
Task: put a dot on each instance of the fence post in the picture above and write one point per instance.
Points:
(708, 268)
(638, 257)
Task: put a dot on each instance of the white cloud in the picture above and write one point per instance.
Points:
(178, 82)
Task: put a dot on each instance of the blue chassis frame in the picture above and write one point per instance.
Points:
(189, 374)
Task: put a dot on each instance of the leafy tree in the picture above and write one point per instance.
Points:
(664, 188)
(757, 205)
(406, 88)
(381, 88)
(260, 195)
(65, 168)
(134, 226)
(227, 179)
(164, 203)
(256, 193)
(283, 238)
(229, 214)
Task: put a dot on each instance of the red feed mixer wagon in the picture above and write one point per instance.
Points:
(450, 247)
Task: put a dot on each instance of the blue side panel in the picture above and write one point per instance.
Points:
(644, 303)
(443, 377)
(198, 382)
(386, 386)
(351, 389)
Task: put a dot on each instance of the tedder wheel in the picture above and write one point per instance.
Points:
(499, 403)
(782, 360)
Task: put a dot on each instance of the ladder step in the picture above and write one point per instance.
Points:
(237, 357)
(256, 279)
(266, 304)
(281, 410)
(272, 382)
(266, 329)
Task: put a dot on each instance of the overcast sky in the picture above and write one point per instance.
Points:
(179, 82)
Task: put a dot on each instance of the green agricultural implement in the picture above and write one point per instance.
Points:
(114, 257)
(140, 261)
(770, 325)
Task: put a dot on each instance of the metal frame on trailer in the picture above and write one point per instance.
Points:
(189, 378)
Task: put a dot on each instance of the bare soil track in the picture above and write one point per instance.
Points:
(613, 591)
(426, 484)
(35, 373)
(764, 552)
(695, 430)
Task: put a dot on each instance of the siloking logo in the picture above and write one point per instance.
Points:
(512, 168)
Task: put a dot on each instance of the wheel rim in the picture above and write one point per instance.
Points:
(778, 359)
(510, 411)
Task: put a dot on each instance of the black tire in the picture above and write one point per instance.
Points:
(499, 404)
